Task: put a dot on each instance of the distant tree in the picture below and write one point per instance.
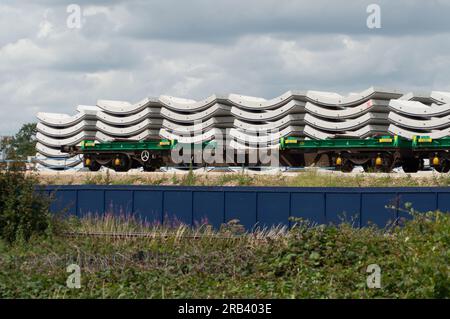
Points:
(23, 144)
(5, 146)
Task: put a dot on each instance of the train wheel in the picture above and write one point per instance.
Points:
(95, 166)
(443, 167)
(91, 164)
(368, 167)
(382, 163)
(149, 168)
(347, 166)
(412, 165)
(121, 163)
(384, 169)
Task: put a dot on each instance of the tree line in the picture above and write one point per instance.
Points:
(21, 145)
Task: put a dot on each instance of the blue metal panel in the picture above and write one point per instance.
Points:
(119, 202)
(148, 206)
(444, 202)
(264, 205)
(375, 209)
(209, 207)
(177, 207)
(343, 207)
(273, 209)
(310, 206)
(64, 201)
(242, 206)
(91, 202)
(421, 202)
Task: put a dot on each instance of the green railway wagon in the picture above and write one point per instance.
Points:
(376, 154)
(123, 155)
(436, 150)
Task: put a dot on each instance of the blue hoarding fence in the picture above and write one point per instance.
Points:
(260, 206)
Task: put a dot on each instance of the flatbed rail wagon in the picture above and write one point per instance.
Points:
(376, 154)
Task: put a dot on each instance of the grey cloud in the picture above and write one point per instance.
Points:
(128, 50)
(213, 21)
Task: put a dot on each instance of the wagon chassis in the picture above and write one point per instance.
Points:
(377, 154)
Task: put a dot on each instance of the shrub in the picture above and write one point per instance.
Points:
(23, 211)
(306, 261)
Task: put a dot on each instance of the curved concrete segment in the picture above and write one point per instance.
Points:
(215, 110)
(291, 107)
(196, 138)
(201, 126)
(266, 137)
(424, 98)
(256, 103)
(186, 105)
(59, 163)
(39, 167)
(88, 109)
(58, 142)
(152, 113)
(288, 120)
(144, 135)
(366, 131)
(437, 97)
(409, 134)
(442, 97)
(241, 146)
(380, 106)
(65, 120)
(347, 125)
(102, 137)
(334, 99)
(125, 108)
(238, 100)
(128, 130)
(67, 131)
(315, 134)
(428, 124)
(50, 151)
(414, 108)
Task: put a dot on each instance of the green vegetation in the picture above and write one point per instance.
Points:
(22, 145)
(121, 257)
(23, 212)
(191, 178)
(164, 262)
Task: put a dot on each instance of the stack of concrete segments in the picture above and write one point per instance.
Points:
(246, 122)
(55, 130)
(313, 115)
(420, 115)
(107, 121)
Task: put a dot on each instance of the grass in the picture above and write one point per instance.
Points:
(168, 261)
(301, 179)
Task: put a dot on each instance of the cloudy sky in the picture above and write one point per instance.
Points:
(128, 50)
